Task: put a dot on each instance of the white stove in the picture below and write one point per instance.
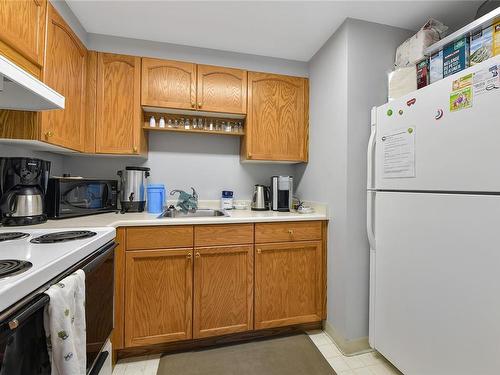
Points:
(32, 257)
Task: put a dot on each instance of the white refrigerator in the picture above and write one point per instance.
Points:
(433, 222)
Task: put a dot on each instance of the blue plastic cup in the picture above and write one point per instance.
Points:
(156, 198)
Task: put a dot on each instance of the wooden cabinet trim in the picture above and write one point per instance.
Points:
(223, 234)
(187, 67)
(119, 302)
(222, 308)
(132, 322)
(288, 151)
(66, 127)
(260, 283)
(19, 47)
(204, 71)
(288, 231)
(130, 140)
(159, 237)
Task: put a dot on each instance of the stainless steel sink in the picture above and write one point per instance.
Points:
(201, 212)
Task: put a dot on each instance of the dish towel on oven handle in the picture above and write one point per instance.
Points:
(64, 323)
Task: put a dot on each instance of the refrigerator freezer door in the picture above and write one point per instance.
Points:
(437, 266)
(453, 150)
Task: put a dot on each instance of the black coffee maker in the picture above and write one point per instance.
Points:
(23, 183)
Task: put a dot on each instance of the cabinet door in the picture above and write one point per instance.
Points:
(118, 122)
(158, 299)
(168, 83)
(221, 89)
(22, 32)
(276, 126)
(64, 71)
(223, 290)
(288, 284)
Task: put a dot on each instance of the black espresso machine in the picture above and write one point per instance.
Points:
(23, 184)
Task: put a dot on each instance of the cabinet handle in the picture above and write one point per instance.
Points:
(290, 231)
(193, 104)
(259, 251)
(189, 256)
(49, 134)
(200, 104)
(134, 149)
(197, 255)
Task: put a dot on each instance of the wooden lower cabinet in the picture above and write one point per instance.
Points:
(201, 286)
(158, 296)
(288, 283)
(223, 290)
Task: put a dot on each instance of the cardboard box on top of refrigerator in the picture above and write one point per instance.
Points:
(456, 56)
(481, 45)
(496, 39)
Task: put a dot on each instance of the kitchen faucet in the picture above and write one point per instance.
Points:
(186, 202)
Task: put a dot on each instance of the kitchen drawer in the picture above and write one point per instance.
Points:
(225, 234)
(159, 237)
(288, 231)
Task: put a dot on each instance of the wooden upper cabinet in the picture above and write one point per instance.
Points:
(64, 71)
(223, 290)
(277, 118)
(170, 84)
(288, 283)
(221, 89)
(158, 299)
(118, 118)
(22, 32)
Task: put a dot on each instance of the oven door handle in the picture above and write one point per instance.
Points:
(20, 318)
(98, 260)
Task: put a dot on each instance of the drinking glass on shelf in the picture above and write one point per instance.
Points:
(176, 124)
(187, 125)
(217, 125)
(169, 123)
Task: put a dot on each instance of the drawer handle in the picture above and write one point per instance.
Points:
(189, 256)
(290, 231)
(49, 134)
(259, 251)
(197, 255)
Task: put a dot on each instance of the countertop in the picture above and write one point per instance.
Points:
(145, 219)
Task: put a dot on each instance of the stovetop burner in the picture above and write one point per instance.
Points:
(10, 267)
(7, 236)
(63, 236)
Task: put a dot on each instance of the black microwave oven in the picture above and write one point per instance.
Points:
(70, 197)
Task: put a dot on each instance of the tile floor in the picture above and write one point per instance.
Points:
(370, 363)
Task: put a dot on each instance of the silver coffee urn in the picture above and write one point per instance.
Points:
(133, 188)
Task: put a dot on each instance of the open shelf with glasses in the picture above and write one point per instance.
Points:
(183, 123)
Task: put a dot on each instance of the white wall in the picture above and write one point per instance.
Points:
(347, 77)
(208, 163)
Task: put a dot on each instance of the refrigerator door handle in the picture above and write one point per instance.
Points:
(371, 146)
(370, 203)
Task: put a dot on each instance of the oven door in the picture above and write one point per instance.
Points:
(23, 348)
(99, 288)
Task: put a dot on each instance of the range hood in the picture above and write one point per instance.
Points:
(21, 91)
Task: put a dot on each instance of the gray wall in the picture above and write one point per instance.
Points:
(208, 163)
(106, 43)
(347, 77)
(56, 161)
